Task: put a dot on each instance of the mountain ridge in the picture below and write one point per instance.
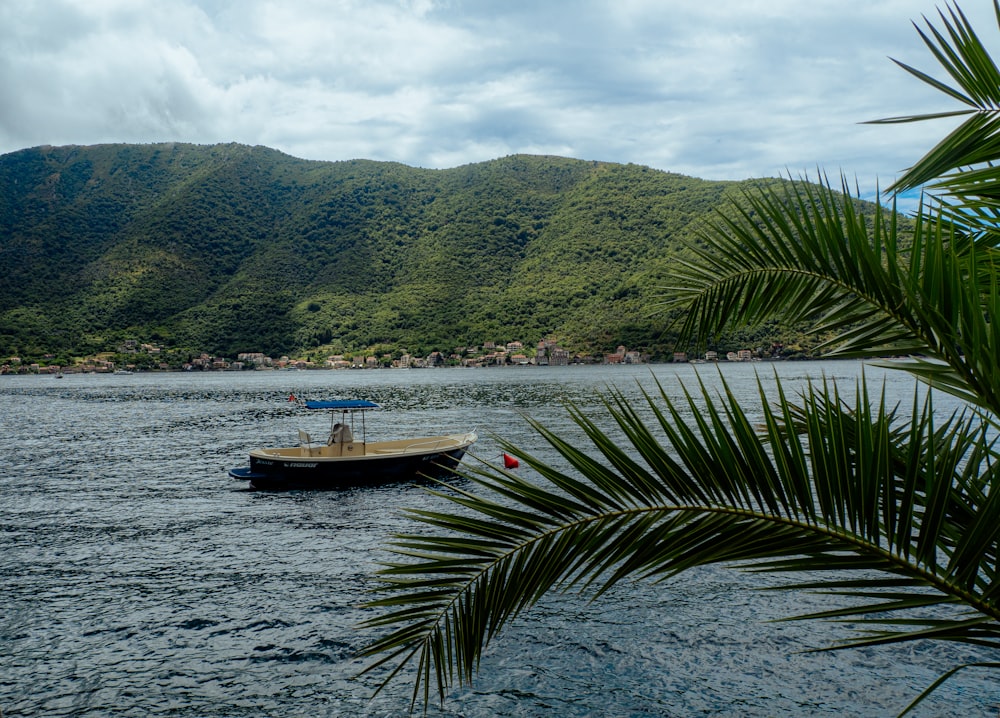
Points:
(230, 248)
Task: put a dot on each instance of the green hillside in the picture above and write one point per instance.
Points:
(229, 248)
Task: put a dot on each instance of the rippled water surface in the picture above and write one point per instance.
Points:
(138, 579)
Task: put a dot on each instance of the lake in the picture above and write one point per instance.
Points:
(138, 579)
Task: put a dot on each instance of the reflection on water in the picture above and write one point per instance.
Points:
(138, 579)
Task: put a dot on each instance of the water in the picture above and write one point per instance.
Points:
(138, 579)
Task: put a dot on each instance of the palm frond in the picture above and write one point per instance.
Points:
(962, 163)
(825, 483)
(809, 254)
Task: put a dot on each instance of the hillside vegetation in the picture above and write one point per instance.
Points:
(230, 248)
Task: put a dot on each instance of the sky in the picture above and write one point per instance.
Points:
(715, 89)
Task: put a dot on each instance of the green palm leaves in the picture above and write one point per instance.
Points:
(896, 509)
(960, 164)
(896, 514)
(874, 283)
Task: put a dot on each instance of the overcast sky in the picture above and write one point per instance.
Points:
(717, 89)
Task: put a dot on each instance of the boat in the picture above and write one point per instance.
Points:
(342, 460)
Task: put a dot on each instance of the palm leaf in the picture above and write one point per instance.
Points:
(961, 164)
(674, 496)
(809, 254)
(945, 676)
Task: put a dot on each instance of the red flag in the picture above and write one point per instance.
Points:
(509, 462)
(291, 397)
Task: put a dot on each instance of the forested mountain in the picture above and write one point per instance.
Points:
(230, 248)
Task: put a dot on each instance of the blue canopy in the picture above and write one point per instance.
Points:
(343, 404)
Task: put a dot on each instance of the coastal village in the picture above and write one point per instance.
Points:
(490, 354)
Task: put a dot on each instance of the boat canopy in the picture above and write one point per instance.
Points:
(343, 405)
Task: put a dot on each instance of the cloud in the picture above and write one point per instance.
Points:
(726, 89)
